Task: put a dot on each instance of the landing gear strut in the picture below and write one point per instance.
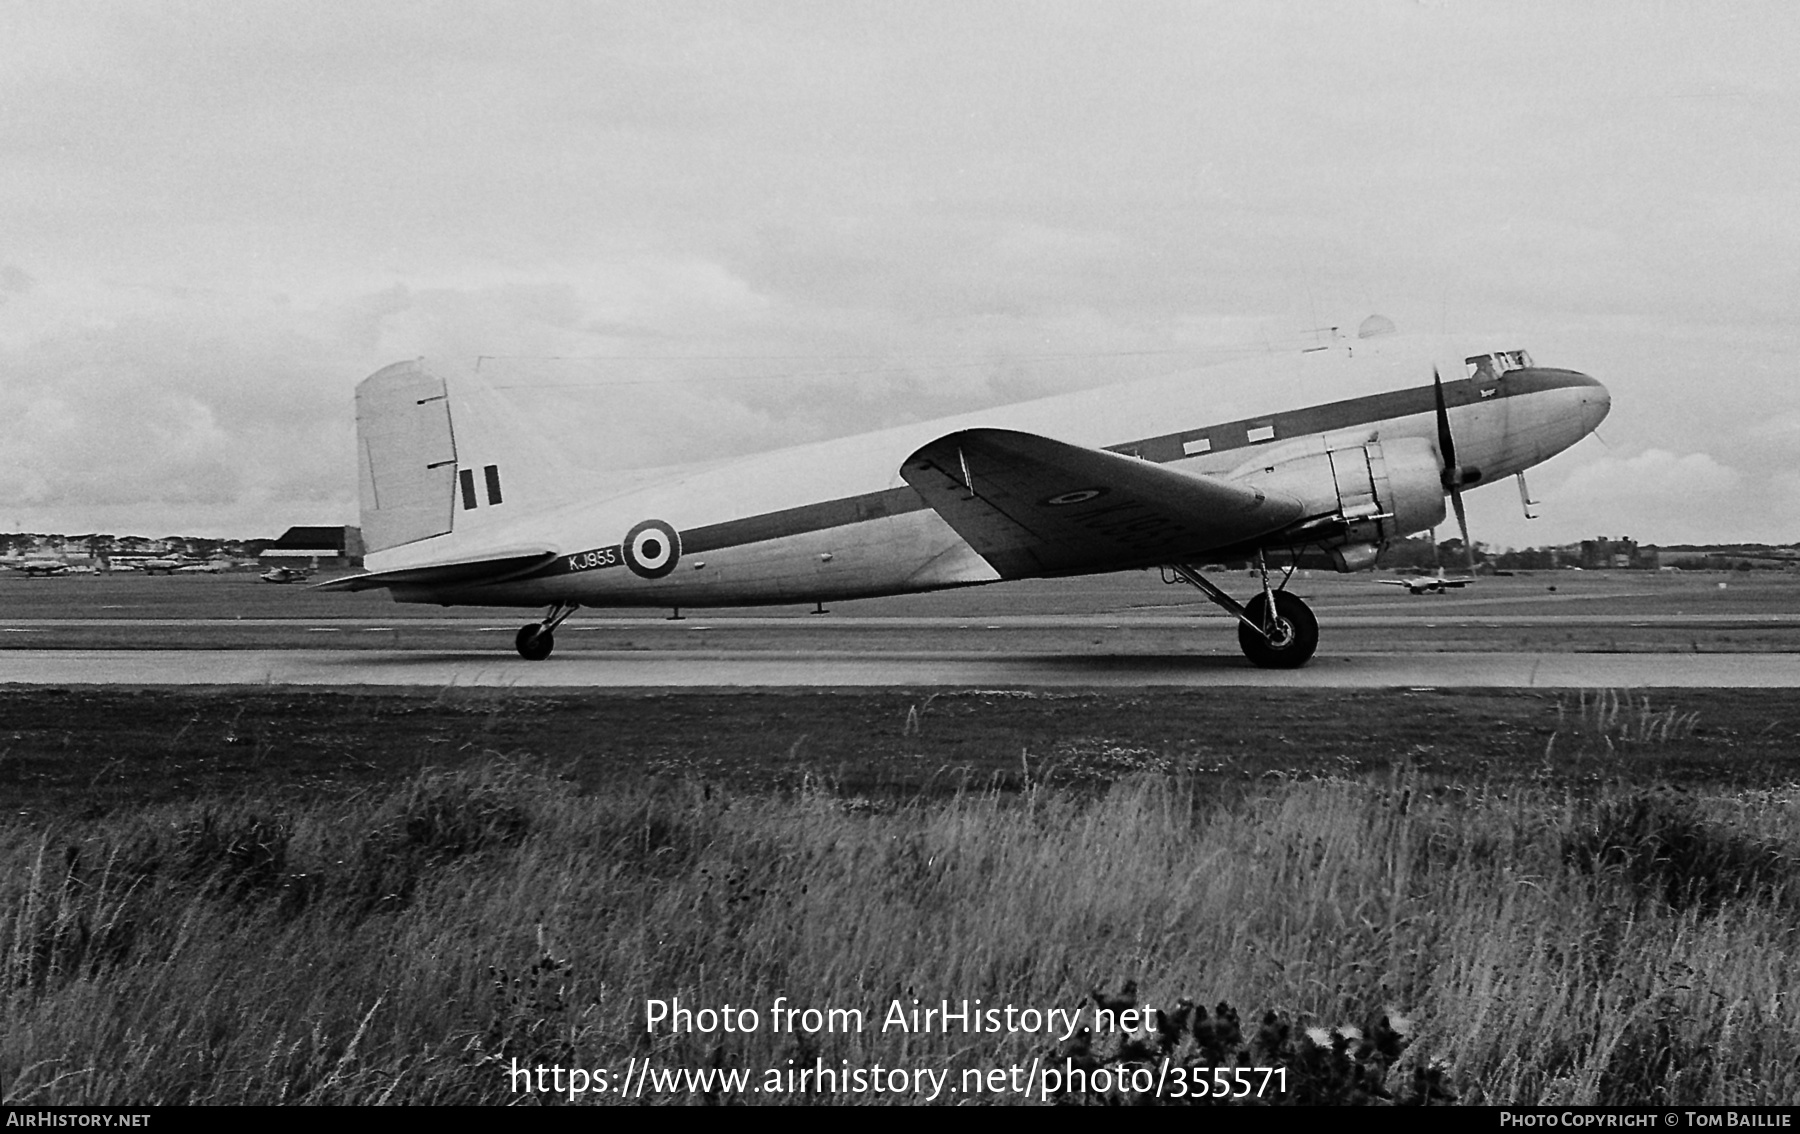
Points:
(1276, 630)
(535, 640)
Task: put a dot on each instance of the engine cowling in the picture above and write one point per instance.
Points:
(1357, 495)
(1344, 559)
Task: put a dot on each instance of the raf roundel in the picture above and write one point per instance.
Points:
(1079, 496)
(652, 549)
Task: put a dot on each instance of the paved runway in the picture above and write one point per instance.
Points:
(1154, 620)
(719, 669)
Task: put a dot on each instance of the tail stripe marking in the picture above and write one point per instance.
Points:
(466, 477)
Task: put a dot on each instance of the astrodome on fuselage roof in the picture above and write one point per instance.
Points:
(1375, 326)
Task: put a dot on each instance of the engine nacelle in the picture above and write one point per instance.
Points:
(1345, 559)
(1358, 494)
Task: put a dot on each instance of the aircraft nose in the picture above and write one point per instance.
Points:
(1596, 403)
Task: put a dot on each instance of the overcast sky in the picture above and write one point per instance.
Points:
(745, 225)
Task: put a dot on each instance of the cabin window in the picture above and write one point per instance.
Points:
(1258, 433)
(1197, 446)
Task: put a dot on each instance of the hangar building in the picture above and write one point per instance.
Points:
(314, 548)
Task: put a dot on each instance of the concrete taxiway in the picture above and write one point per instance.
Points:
(914, 669)
(1172, 620)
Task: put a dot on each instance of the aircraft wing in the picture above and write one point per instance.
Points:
(1034, 506)
(464, 573)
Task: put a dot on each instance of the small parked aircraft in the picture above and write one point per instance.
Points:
(285, 575)
(1417, 585)
(1430, 584)
(41, 567)
(1315, 458)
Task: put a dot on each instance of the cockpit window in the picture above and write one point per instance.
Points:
(1489, 367)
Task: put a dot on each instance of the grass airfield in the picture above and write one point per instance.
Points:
(357, 896)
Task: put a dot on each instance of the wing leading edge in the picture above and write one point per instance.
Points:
(1033, 506)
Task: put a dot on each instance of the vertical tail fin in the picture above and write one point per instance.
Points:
(439, 454)
(405, 456)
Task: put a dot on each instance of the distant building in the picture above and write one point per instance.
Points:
(1603, 552)
(315, 547)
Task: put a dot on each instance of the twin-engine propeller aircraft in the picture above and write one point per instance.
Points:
(1310, 459)
(41, 567)
(1430, 584)
(1440, 583)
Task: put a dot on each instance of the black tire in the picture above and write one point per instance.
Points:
(1295, 637)
(534, 642)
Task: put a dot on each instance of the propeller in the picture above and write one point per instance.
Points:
(1453, 474)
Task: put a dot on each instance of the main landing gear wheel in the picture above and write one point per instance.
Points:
(534, 642)
(1285, 641)
(1292, 637)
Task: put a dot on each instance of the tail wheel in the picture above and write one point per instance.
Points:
(534, 642)
(1292, 637)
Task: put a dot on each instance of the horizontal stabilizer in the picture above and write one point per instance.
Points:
(1034, 506)
(470, 573)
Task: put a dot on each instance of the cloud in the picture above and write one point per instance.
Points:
(1659, 496)
(755, 225)
(172, 419)
(209, 408)
(14, 280)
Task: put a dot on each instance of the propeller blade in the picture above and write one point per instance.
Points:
(1462, 523)
(1446, 443)
(1453, 473)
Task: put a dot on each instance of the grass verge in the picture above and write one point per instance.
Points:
(418, 942)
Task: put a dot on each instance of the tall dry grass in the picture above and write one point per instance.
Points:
(1620, 718)
(410, 946)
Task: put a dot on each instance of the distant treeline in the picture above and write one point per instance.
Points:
(1418, 552)
(98, 543)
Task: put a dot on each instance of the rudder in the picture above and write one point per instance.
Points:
(406, 456)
